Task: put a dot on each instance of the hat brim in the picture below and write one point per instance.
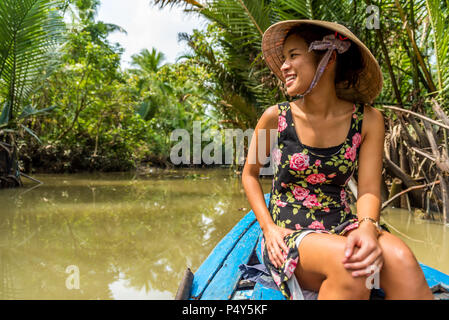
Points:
(370, 79)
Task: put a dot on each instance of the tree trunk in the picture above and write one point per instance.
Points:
(9, 166)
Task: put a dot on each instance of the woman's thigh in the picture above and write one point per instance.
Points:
(401, 275)
(320, 255)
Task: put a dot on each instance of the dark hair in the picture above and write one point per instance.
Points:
(349, 64)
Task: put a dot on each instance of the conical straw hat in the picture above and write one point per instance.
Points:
(370, 80)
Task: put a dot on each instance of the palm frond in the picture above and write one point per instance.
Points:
(29, 31)
(438, 16)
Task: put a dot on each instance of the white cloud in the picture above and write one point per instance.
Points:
(148, 26)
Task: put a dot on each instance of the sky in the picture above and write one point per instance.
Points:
(148, 26)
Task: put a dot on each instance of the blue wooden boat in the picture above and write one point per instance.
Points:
(219, 277)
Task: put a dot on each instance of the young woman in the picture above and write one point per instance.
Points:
(312, 240)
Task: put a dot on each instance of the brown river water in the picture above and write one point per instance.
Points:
(118, 236)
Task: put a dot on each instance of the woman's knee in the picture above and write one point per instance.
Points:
(396, 253)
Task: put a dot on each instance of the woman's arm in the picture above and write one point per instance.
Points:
(254, 163)
(274, 235)
(368, 191)
(370, 168)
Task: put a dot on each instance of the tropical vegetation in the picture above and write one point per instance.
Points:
(100, 117)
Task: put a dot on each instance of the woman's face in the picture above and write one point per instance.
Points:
(299, 65)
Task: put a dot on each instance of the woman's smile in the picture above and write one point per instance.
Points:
(290, 79)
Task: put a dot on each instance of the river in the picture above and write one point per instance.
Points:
(119, 236)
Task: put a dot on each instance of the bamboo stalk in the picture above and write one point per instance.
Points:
(396, 171)
(439, 112)
(415, 47)
(422, 141)
(394, 190)
(405, 191)
(418, 115)
(435, 47)
(424, 154)
(444, 195)
(441, 161)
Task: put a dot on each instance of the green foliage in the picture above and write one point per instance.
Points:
(112, 119)
(29, 30)
(109, 119)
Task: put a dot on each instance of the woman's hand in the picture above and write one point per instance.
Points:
(274, 241)
(363, 254)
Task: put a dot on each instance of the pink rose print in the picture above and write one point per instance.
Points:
(299, 162)
(298, 226)
(283, 185)
(300, 193)
(350, 153)
(280, 203)
(290, 267)
(352, 226)
(311, 201)
(348, 209)
(354, 116)
(327, 209)
(356, 140)
(316, 225)
(282, 123)
(315, 178)
(353, 108)
(343, 194)
(331, 175)
(317, 162)
(284, 112)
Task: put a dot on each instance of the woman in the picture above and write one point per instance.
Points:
(312, 240)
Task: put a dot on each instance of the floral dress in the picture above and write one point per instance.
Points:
(309, 189)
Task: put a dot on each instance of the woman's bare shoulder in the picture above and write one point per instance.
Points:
(373, 121)
(269, 119)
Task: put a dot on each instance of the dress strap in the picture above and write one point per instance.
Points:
(358, 117)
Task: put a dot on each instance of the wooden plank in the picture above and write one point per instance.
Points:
(185, 286)
(225, 281)
(212, 264)
(263, 293)
(214, 261)
(258, 252)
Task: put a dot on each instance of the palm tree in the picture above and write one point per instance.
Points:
(412, 46)
(29, 32)
(148, 62)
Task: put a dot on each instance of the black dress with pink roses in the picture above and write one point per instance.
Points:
(309, 189)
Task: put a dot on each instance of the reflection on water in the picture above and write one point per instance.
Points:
(133, 238)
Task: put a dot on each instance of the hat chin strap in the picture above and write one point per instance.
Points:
(331, 43)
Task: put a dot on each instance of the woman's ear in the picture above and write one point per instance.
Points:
(332, 59)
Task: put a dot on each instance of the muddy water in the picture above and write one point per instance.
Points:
(127, 237)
